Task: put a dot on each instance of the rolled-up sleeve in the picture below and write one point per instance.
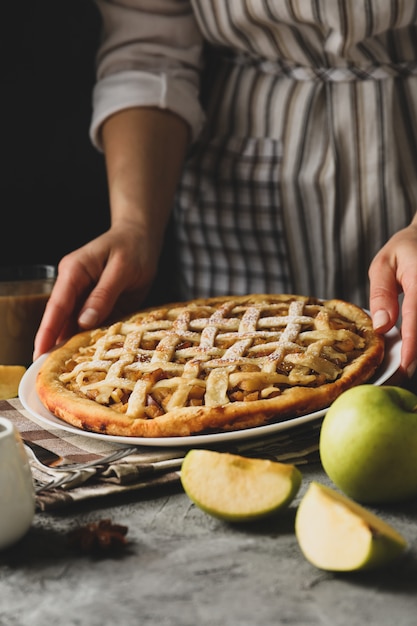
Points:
(150, 55)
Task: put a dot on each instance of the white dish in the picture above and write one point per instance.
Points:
(30, 400)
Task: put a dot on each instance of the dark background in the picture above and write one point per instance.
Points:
(52, 180)
(53, 188)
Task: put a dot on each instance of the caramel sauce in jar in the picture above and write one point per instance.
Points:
(24, 292)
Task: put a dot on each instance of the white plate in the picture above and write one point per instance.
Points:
(30, 400)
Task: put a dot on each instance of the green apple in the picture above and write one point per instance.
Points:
(368, 443)
(337, 534)
(236, 488)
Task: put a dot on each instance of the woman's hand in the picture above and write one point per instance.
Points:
(392, 272)
(110, 275)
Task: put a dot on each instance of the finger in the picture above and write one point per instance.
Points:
(409, 331)
(60, 308)
(100, 303)
(50, 329)
(383, 296)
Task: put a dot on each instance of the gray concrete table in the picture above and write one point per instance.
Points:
(184, 568)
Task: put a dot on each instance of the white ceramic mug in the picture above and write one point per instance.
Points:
(17, 494)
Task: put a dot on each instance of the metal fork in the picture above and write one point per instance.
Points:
(72, 473)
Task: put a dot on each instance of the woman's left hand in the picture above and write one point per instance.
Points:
(394, 271)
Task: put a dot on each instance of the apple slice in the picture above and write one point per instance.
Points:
(236, 488)
(10, 377)
(337, 534)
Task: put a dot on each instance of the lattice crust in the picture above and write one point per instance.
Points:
(214, 364)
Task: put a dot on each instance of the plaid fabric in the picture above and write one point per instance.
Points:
(227, 247)
(297, 445)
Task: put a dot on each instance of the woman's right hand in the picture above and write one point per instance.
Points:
(110, 275)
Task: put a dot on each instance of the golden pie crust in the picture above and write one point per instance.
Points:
(210, 365)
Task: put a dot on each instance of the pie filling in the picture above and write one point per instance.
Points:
(202, 354)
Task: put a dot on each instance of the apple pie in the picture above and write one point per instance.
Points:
(210, 365)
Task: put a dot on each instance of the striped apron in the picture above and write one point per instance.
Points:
(308, 160)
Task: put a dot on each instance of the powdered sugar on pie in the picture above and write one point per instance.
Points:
(210, 365)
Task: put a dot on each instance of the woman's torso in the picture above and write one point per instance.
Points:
(307, 163)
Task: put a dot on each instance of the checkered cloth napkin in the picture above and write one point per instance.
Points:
(298, 445)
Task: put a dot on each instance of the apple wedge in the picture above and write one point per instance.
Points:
(337, 534)
(10, 377)
(235, 488)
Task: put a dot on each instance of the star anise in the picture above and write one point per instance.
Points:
(101, 536)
